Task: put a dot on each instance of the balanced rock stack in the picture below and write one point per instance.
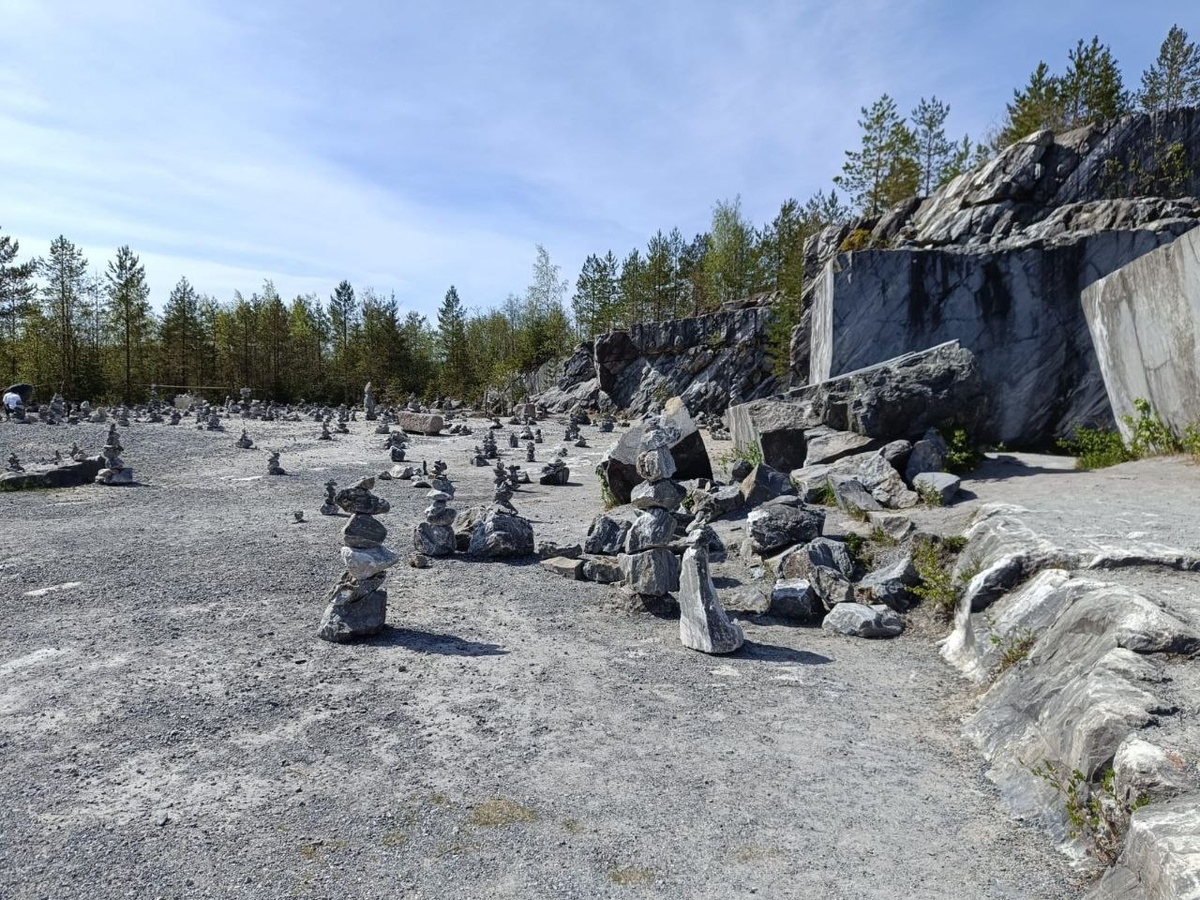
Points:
(649, 568)
(329, 507)
(114, 471)
(554, 472)
(435, 536)
(703, 624)
(245, 442)
(358, 605)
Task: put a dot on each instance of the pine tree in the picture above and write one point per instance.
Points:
(16, 295)
(452, 340)
(181, 336)
(884, 170)
(934, 151)
(67, 288)
(343, 318)
(1092, 88)
(1174, 78)
(595, 295)
(1035, 107)
(731, 265)
(128, 311)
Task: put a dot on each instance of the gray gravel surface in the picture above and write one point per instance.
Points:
(170, 726)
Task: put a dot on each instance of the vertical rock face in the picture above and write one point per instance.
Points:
(1018, 311)
(703, 624)
(1144, 321)
(710, 360)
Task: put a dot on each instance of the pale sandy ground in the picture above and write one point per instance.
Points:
(171, 726)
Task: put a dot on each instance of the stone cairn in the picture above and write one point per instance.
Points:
(174, 417)
(648, 566)
(477, 458)
(329, 507)
(529, 450)
(273, 466)
(439, 481)
(214, 422)
(244, 442)
(513, 441)
(114, 439)
(502, 495)
(703, 624)
(14, 464)
(325, 435)
(554, 473)
(396, 444)
(435, 536)
(76, 453)
(115, 470)
(358, 604)
(369, 402)
(537, 435)
(490, 450)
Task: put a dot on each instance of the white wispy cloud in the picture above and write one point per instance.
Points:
(409, 146)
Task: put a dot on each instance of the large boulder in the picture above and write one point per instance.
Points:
(776, 525)
(775, 427)
(420, 423)
(1144, 321)
(618, 468)
(901, 397)
(502, 534)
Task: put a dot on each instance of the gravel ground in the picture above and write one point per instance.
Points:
(170, 726)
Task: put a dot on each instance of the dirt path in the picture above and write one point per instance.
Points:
(170, 725)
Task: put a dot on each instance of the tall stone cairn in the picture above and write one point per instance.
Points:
(703, 624)
(648, 566)
(358, 605)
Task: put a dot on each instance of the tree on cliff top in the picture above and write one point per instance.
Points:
(1174, 78)
(884, 169)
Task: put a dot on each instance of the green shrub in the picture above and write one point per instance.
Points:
(1097, 815)
(937, 585)
(961, 453)
(1014, 647)
(1151, 435)
(858, 239)
(1096, 448)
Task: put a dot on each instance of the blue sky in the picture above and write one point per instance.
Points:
(410, 146)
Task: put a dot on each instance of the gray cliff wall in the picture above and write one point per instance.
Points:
(1018, 311)
(1143, 323)
(710, 361)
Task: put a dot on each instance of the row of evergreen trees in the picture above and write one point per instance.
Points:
(67, 328)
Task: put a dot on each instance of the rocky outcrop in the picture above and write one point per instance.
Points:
(1144, 321)
(710, 361)
(1086, 676)
(998, 259)
(1017, 310)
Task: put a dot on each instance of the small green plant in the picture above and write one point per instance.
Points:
(856, 546)
(955, 543)
(929, 495)
(752, 454)
(1096, 448)
(858, 239)
(606, 495)
(1014, 647)
(937, 585)
(1096, 814)
(881, 538)
(1151, 435)
(715, 340)
(826, 496)
(961, 454)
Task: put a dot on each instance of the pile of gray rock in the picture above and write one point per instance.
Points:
(358, 605)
